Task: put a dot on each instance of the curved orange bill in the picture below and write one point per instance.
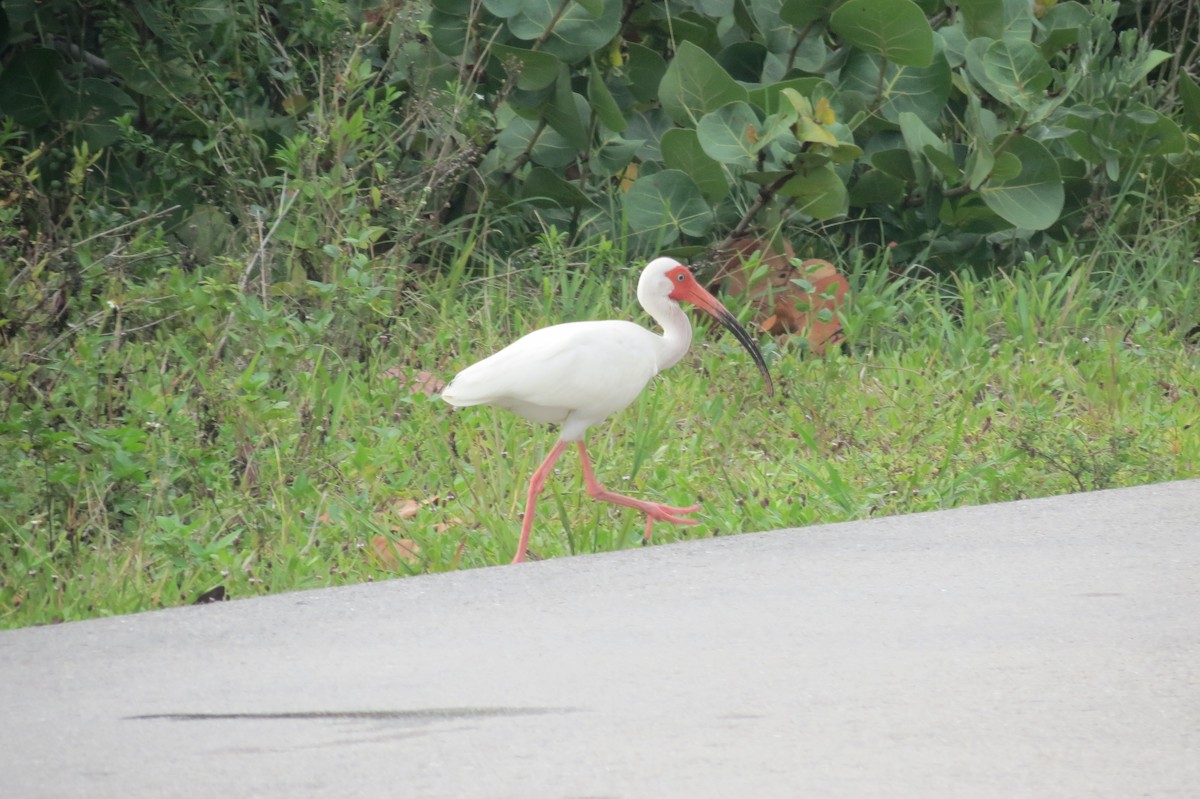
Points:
(697, 295)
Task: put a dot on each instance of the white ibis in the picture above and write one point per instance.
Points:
(579, 373)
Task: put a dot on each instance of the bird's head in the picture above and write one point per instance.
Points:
(667, 277)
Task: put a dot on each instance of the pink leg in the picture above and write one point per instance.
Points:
(653, 510)
(536, 484)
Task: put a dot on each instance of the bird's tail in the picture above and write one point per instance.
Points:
(459, 398)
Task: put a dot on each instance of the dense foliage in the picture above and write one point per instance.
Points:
(950, 129)
(233, 233)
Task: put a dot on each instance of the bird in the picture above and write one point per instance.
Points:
(577, 374)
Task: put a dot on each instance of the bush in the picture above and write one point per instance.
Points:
(949, 130)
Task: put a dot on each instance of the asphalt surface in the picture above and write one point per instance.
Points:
(1045, 648)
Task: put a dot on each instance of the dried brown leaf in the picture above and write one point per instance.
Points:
(446, 526)
(392, 553)
(783, 307)
(422, 382)
(408, 508)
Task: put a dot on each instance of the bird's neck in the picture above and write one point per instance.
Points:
(677, 333)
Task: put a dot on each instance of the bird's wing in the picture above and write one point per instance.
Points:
(567, 366)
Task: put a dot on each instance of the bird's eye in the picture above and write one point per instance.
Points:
(679, 277)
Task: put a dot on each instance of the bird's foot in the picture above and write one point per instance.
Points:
(656, 511)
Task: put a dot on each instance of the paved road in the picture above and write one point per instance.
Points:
(1046, 648)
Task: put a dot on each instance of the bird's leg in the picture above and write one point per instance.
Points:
(536, 484)
(655, 511)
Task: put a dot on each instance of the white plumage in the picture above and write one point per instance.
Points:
(579, 373)
(550, 374)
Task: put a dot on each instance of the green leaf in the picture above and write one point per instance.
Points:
(549, 149)
(874, 186)
(979, 166)
(700, 31)
(1189, 96)
(845, 151)
(1121, 139)
(923, 91)
(997, 19)
(615, 154)
(1149, 61)
(1060, 27)
(92, 105)
(969, 215)
(895, 162)
(953, 44)
(809, 160)
(811, 56)
(730, 134)
(695, 84)
(1005, 167)
(603, 104)
(770, 97)
(30, 87)
(917, 134)
(206, 231)
(743, 61)
(448, 32)
(982, 123)
(778, 128)
(1145, 132)
(819, 193)
(531, 104)
(546, 188)
(894, 29)
(568, 112)
(775, 32)
(801, 12)
(682, 151)
(573, 36)
(535, 69)
(1016, 72)
(663, 205)
(974, 59)
(203, 13)
(645, 69)
(714, 8)
(924, 143)
(1033, 198)
(943, 162)
(158, 18)
(649, 126)
(982, 18)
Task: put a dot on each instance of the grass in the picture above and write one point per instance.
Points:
(138, 472)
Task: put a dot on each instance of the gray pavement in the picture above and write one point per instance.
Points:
(1045, 648)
